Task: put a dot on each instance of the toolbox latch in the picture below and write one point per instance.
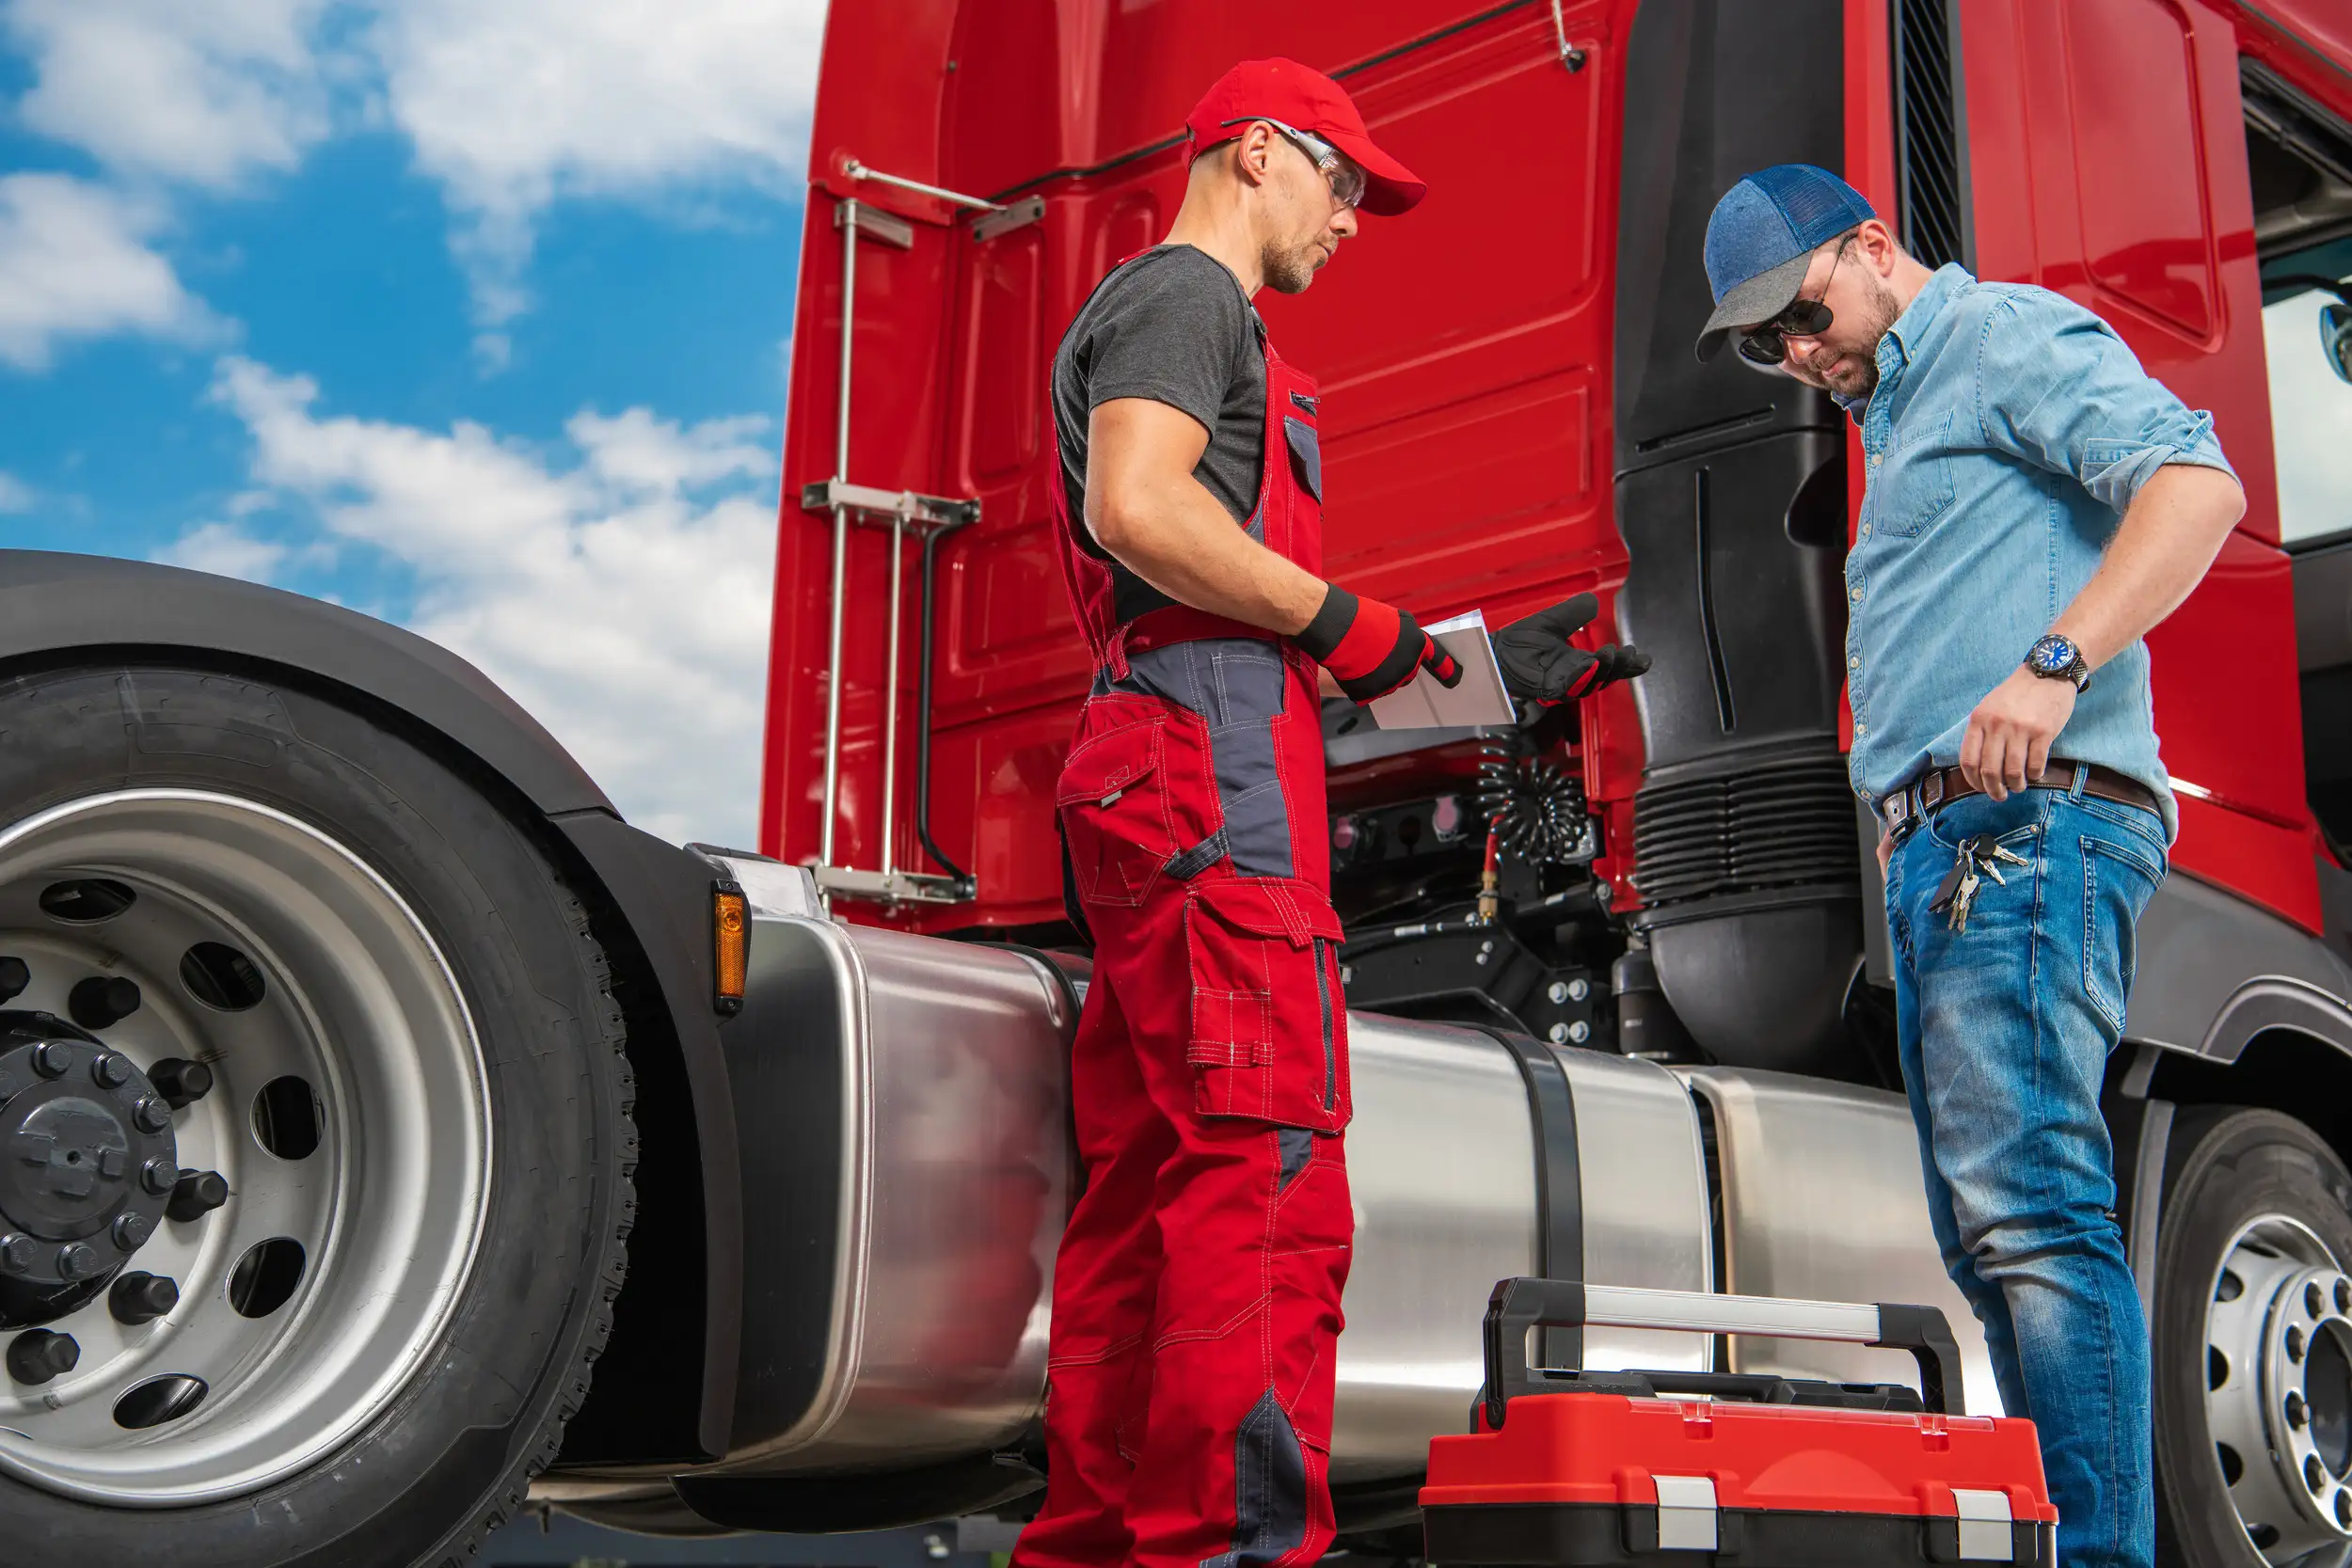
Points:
(1686, 1513)
(1984, 1527)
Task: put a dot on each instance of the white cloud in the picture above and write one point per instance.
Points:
(2311, 421)
(516, 104)
(15, 495)
(199, 90)
(226, 549)
(622, 596)
(510, 105)
(75, 261)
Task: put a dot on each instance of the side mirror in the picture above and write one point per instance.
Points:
(2335, 338)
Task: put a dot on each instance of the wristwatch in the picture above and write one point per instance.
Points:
(2057, 659)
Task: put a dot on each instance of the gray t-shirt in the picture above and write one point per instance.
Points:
(1174, 326)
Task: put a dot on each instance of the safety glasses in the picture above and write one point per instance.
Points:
(1803, 317)
(1343, 175)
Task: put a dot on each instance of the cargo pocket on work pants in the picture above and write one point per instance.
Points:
(1269, 1023)
(1116, 825)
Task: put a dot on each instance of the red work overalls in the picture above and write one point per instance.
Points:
(1197, 1290)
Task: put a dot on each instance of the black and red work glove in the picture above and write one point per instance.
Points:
(1539, 666)
(1372, 648)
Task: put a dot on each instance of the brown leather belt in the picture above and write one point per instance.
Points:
(1906, 808)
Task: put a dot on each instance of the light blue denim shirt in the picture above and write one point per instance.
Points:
(2009, 430)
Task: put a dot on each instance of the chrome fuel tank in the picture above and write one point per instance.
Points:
(902, 1107)
(1444, 1159)
(1822, 1201)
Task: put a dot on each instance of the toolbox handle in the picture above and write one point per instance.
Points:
(1519, 1305)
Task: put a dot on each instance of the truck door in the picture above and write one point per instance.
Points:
(1463, 349)
(2107, 155)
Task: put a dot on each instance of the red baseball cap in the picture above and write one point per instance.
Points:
(1303, 100)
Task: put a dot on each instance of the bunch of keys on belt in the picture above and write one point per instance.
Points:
(1977, 857)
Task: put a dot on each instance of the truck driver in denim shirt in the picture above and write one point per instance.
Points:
(2034, 504)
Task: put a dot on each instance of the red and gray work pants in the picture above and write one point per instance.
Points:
(1197, 1291)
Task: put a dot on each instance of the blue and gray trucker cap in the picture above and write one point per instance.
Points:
(1762, 237)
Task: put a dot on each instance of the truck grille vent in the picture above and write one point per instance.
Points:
(1933, 191)
(1781, 824)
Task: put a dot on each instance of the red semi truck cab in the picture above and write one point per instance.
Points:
(1512, 415)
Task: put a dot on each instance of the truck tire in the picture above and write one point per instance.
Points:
(418, 1101)
(2252, 1342)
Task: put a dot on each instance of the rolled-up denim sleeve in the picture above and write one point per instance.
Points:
(2056, 387)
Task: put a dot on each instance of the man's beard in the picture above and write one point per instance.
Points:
(1288, 270)
(1879, 310)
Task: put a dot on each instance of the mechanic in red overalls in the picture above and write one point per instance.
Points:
(1197, 1290)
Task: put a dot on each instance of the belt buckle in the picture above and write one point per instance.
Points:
(1898, 810)
(1932, 790)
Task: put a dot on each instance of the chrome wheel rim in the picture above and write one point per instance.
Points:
(355, 1006)
(2279, 1389)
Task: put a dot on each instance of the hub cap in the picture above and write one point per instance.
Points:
(267, 1129)
(2279, 1389)
(73, 1151)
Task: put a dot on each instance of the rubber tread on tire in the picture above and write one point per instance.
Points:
(450, 1457)
(2224, 1167)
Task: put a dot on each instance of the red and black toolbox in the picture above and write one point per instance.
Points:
(1750, 1471)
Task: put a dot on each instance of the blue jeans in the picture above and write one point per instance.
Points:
(2005, 1028)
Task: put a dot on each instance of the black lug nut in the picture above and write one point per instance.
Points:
(108, 1071)
(197, 1195)
(76, 1262)
(180, 1082)
(16, 1254)
(141, 1298)
(159, 1176)
(152, 1115)
(15, 975)
(53, 1058)
(131, 1230)
(37, 1355)
(103, 1000)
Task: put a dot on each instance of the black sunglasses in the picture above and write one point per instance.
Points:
(1768, 344)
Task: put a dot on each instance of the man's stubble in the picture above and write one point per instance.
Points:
(1878, 312)
(1288, 268)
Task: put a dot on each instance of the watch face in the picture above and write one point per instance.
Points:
(2052, 655)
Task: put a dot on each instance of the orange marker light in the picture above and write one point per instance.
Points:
(731, 927)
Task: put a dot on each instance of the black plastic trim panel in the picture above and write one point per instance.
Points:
(2213, 970)
(1932, 132)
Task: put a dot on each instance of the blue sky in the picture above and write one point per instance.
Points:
(471, 316)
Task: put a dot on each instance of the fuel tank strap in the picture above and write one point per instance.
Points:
(1559, 1179)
